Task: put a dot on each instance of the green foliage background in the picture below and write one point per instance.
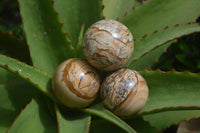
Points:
(49, 32)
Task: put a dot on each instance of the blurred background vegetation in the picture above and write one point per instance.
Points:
(183, 55)
(10, 19)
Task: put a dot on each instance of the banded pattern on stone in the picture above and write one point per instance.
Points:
(81, 78)
(123, 90)
(75, 83)
(108, 45)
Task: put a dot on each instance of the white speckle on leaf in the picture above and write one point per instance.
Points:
(20, 70)
(45, 33)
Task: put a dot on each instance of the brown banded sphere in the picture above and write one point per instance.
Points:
(75, 83)
(108, 45)
(124, 92)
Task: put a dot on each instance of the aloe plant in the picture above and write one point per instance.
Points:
(54, 31)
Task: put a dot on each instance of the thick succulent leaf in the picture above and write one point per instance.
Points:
(38, 78)
(47, 41)
(35, 118)
(73, 13)
(13, 47)
(6, 76)
(158, 38)
(173, 97)
(164, 120)
(137, 123)
(157, 14)
(14, 95)
(141, 126)
(114, 9)
(79, 52)
(72, 122)
(171, 90)
(103, 126)
(100, 111)
(148, 59)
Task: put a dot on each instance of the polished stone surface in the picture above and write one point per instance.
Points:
(75, 81)
(124, 92)
(108, 45)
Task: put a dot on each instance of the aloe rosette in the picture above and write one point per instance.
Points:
(54, 31)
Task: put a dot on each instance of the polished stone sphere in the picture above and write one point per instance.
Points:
(124, 92)
(108, 45)
(75, 83)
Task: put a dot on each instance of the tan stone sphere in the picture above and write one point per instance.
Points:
(124, 92)
(75, 83)
(108, 45)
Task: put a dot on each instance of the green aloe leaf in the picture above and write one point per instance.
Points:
(114, 9)
(36, 77)
(14, 95)
(141, 126)
(171, 90)
(103, 126)
(183, 59)
(46, 38)
(73, 122)
(14, 47)
(35, 118)
(137, 123)
(171, 101)
(164, 120)
(73, 13)
(137, 3)
(6, 76)
(100, 111)
(156, 14)
(79, 52)
(148, 59)
(158, 38)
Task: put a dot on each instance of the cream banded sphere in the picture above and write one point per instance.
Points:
(75, 83)
(108, 45)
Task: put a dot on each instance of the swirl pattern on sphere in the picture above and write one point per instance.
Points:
(108, 45)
